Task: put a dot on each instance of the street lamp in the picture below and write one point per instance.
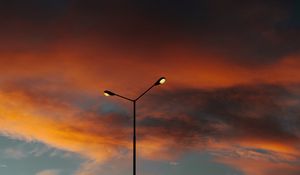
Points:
(107, 93)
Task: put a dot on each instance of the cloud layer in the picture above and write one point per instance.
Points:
(247, 123)
(232, 73)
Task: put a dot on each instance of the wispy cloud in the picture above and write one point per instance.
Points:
(48, 172)
(14, 153)
(3, 166)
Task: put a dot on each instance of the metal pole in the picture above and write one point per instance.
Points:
(134, 139)
(109, 93)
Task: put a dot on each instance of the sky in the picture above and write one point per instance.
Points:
(230, 105)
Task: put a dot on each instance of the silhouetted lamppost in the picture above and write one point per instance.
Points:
(160, 81)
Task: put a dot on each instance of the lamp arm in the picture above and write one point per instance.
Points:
(124, 97)
(144, 92)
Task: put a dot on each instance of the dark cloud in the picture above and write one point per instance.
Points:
(32, 10)
(258, 112)
(248, 32)
(245, 32)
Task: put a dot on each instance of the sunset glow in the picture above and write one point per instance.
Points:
(229, 103)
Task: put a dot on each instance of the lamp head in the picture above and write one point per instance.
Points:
(108, 93)
(160, 81)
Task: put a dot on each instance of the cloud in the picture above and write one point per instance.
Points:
(3, 166)
(262, 167)
(241, 126)
(258, 114)
(232, 71)
(252, 33)
(249, 118)
(14, 153)
(60, 126)
(174, 163)
(48, 172)
(119, 166)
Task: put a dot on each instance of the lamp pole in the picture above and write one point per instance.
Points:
(160, 81)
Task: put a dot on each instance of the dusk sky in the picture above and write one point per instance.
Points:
(230, 105)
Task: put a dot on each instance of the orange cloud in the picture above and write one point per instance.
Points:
(93, 66)
(59, 126)
(261, 167)
(38, 92)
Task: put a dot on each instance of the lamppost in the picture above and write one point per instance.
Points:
(160, 81)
